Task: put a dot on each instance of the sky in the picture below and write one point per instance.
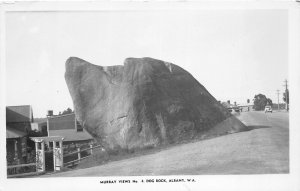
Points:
(235, 54)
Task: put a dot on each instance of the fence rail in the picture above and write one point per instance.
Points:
(21, 165)
(73, 162)
(13, 168)
(79, 158)
(76, 152)
(23, 174)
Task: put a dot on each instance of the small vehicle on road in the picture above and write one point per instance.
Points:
(268, 109)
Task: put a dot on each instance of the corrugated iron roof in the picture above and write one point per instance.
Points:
(20, 113)
(65, 126)
(13, 133)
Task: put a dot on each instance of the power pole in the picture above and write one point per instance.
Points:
(277, 99)
(285, 84)
(286, 96)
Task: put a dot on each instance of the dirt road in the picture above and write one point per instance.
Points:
(262, 150)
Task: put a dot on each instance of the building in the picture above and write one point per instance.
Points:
(282, 106)
(19, 117)
(40, 125)
(246, 107)
(16, 146)
(18, 124)
(227, 105)
(68, 127)
(230, 107)
(238, 107)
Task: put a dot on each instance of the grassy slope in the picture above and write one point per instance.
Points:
(264, 149)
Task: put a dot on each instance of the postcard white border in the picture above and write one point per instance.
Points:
(204, 182)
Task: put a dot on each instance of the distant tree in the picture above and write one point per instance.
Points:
(228, 101)
(269, 102)
(286, 96)
(67, 111)
(260, 101)
(248, 100)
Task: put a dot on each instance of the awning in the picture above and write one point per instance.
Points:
(47, 139)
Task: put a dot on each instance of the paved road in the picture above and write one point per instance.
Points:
(262, 150)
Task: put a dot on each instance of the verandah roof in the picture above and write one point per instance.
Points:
(13, 133)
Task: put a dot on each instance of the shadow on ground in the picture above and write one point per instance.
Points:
(252, 127)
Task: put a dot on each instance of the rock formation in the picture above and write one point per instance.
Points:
(144, 103)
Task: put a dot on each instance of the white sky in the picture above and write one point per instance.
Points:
(235, 54)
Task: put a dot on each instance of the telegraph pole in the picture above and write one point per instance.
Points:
(277, 99)
(286, 96)
(285, 84)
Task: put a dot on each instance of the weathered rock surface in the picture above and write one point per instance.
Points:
(146, 102)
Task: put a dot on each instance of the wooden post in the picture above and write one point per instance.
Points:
(91, 146)
(79, 156)
(43, 153)
(48, 144)
(62, 153)
(36, 156)
(16, 157)
(54, 157)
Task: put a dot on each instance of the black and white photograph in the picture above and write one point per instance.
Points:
(149, 95)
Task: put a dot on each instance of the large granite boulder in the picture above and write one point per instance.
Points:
(143, 103)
